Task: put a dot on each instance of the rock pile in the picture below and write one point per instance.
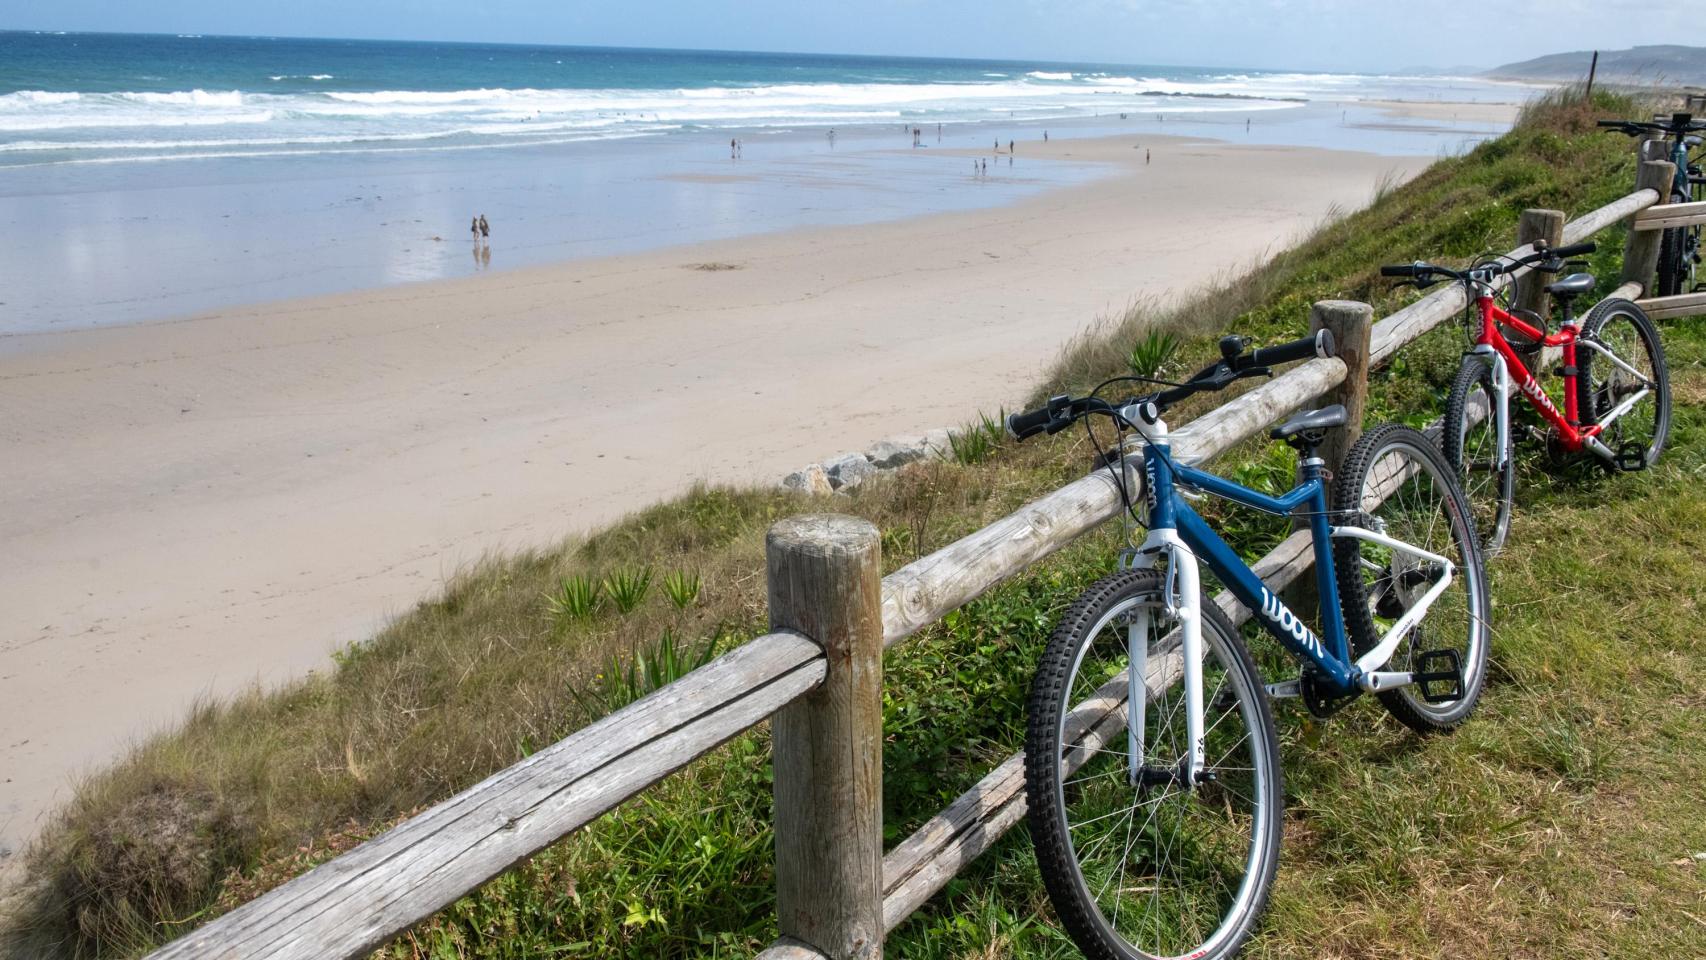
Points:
(848, 470)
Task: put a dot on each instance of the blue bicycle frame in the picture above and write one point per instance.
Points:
(1170, 511)
(1179, 537)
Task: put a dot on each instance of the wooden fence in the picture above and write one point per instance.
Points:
(818, 677)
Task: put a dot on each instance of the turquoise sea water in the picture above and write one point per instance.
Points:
(144, 177)
(107, 97)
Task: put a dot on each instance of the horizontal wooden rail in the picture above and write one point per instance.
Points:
(357, 902)
(1664, 217)
(1681, 305)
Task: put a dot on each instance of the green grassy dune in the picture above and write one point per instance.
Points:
(1565, 820)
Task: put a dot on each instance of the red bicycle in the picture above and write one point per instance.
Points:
(1616, 389)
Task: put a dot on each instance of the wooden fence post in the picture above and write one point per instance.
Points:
(825, 582)
(1641, 250)
(1534, 226)
(1350, 323)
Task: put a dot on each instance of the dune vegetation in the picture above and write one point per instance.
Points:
(1565, 820)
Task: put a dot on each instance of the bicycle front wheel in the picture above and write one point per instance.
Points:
(1471, 443)
(1605, 384)
(1395, 482)
(1137, 863)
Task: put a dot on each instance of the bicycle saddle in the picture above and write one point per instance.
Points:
(1312, 421)
(1572, 285)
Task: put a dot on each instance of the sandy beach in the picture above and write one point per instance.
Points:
(199, 504)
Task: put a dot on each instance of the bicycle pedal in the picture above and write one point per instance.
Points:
(1631, 457)
(1451, 673)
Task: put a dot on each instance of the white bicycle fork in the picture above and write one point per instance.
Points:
(1182, 599)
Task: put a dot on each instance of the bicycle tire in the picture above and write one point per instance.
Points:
(1597, 380)
(1054, 798)
(1466, 444)
(1672, 270)
(1363, 597)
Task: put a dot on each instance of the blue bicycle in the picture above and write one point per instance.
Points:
(1152, 763)
(1679, 247)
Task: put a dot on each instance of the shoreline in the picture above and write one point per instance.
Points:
(214, 501)
(139, 241)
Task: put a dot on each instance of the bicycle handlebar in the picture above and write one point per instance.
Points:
(1318, 344)
(1236, 363)
(1679, 123)
(1545, 259)
(1031, 422)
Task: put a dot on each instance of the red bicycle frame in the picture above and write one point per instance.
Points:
(1568, 424)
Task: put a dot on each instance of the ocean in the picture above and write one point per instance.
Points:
(68, 98)
(149, 176)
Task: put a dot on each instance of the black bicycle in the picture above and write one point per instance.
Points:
(1679, 248)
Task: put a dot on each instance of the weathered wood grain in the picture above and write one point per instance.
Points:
(1351, 324)
(1681, 305)
(787, 948)
(1641, 248)
(1666, 216)
(1532, 227)
(1592, 222)
(825, 582)
(353, 904)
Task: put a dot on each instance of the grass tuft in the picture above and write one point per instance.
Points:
(627, 587)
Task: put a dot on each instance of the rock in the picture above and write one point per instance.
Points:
(936, 443)
(811, 479)
(848, 470)
(890, 454)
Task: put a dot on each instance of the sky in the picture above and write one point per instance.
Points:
(1348, 35)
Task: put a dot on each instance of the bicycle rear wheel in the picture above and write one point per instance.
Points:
(1153, 868)
(1470, 433)
(1673, 266)
(1604, 384)
(1396, 482)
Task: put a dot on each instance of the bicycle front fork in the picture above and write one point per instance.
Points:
(1181, 599)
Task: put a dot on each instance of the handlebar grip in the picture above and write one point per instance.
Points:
(1029, 423)
(1609, 123)
(1398, 270)
(1318, 344)
(1572, 250)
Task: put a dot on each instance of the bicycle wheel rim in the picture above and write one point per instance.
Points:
(1407, 491)
(1604, 384)
(1170, 890)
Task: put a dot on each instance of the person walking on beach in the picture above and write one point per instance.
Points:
(1009, 147)
(474, 228)
(1146, 158)
(485, 231)
(1045, 136)
(731, 148)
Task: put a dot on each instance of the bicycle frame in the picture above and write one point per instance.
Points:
(1179, 538)
(1491, 345)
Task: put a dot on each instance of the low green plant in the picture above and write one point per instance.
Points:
(976, 442)
(576, 598)
(627, 587)
(682, 586)
(1151, 354)
(622, 683)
